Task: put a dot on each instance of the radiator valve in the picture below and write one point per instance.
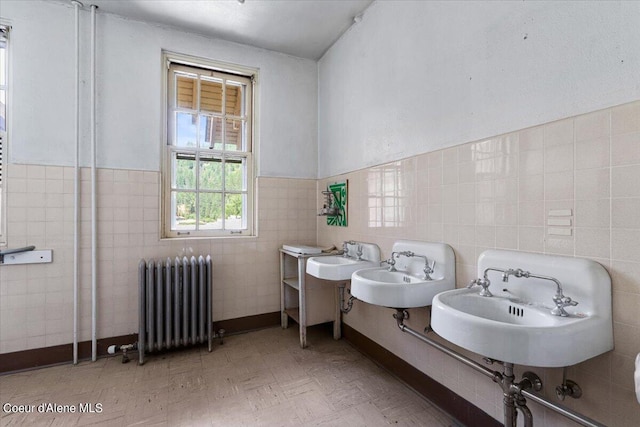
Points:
(113, 349)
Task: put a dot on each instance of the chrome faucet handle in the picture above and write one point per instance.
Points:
(359, 252)
(428, 269)
(484, 284)
(561, 302)
(392, 263)
(345, 249)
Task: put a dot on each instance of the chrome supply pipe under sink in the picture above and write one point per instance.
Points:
(514, 393)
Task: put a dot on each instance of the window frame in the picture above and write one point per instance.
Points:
(5, 28)
(184, 63)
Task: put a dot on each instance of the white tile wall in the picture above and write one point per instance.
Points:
(497, 193)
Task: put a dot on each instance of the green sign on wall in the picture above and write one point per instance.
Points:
(339, 191)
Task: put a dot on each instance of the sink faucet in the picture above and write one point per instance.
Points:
(559, 299)
(427, 270)
(392, 262)
(518, 272)
(484, 281)
(345, 247)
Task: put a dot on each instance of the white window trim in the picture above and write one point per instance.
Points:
(5, 140)
(168, 58)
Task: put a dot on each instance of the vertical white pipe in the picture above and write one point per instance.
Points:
(94, 261)
(76, 185)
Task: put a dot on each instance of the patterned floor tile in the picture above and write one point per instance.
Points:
(261, 378)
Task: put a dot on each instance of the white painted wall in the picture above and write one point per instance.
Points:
(415, 76)
(129, 92)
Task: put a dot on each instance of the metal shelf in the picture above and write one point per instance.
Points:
(293, 313)
(306, 303)
(293, 282)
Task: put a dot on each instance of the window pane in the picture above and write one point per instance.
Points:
(3, 62)
(211, 132)
(210, 211)
(235, 135)
(234, 211)
(3, 86)
(3, 111)
(186, 131)
(235, 99)
(183, 209)
(234, 170)
(211, 95)
(184, 171)
(186, 91)
(210, 172)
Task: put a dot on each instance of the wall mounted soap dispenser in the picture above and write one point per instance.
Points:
(329, 207)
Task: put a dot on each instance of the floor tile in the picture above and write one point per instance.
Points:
(260, 378)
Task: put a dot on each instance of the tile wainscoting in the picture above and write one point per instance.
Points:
(498, 193)
(36, 301)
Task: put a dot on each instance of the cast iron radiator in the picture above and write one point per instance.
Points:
(174, 303)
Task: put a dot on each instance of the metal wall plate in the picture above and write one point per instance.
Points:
(31, 257)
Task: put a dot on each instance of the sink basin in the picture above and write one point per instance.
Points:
(396, 289)
(407, 288)
(336, 267)
(340, 268)
(516, 325)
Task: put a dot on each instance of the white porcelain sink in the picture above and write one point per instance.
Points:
(407, 287)
(340, 268)
(336, 267)
(516, 324)
(397, 289)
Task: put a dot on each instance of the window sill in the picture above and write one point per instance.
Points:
(232, 237)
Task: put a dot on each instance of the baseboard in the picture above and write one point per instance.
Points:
(249, 323)
(460, 409)
(57, 354)
(60, 354)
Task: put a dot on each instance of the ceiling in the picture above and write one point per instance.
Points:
(303, 28)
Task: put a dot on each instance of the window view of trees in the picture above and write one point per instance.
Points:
(211, 175)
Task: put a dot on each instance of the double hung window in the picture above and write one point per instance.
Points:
(209, 153)
(4, 71)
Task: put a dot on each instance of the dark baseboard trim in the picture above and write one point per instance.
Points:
(464, 412)
(60, 354)
(57, 354)
(249, 323)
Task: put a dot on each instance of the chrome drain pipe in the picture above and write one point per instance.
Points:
(514, 392)
(342, 288)
(521, 405)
